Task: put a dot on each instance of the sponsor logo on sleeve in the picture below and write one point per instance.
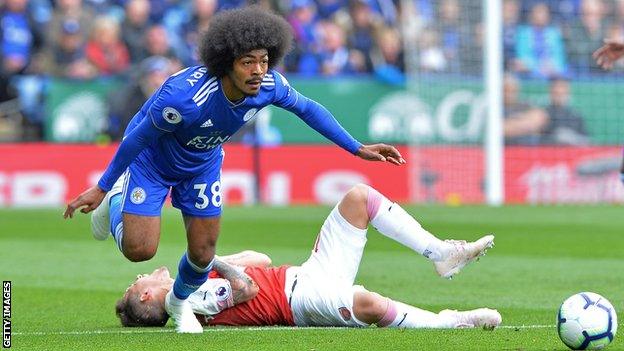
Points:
(222, 293)
(171, 115)
(138, 195)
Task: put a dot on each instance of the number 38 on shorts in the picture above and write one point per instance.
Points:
(213, 198)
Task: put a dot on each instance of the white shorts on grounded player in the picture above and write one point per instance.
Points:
(320, 301)
(323, 291)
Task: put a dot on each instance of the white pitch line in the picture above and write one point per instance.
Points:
(220, 330)
(537, 326)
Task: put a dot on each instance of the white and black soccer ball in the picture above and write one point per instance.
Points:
(586, 321)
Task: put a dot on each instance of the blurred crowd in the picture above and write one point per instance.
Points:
(147, 40)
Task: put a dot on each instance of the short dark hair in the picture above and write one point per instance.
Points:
(233, 33)
(133, 312)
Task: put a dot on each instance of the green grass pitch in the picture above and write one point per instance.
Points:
(65, 284)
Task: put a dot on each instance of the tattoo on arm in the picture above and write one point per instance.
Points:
(243, 287)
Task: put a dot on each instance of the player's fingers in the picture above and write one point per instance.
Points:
(393, 151)
(393, 160)
(69, 212)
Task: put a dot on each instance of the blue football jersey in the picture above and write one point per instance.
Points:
(181, 127)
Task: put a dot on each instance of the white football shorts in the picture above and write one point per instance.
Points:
(320, 292)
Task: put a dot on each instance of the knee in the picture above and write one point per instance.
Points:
(358, 194)
(138, 250)
(369, 307)
(139, 253)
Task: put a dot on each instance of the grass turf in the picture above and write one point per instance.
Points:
(65, 284)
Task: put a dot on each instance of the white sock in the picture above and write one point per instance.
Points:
(400, 315)
(118, 236)
(392, 221)
(174, 299)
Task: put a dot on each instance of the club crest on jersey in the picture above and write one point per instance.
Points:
(345, 313)
(138, 195)
(249, 115)
(171, 115)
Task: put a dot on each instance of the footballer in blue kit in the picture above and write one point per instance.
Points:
(174, 144)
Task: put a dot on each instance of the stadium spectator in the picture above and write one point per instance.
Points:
(174, 143)
(105, 49)
(327, 9)
(302, 19)
(425, 11)
(133, 27)
(200, 17)
(539, 45)
(471, 51)
(68, 58)
(334, 56)
(451, 30)
(431, 52)
(323, 291)
(361, 32)
(585, 35)
(562, 11)
(565, 126)
(511, 16)
(157, 43)
(387, 57)
(524, 124)
(70, 10)
(20, 43)
(385, 9)
(125, 103)
(18, 38)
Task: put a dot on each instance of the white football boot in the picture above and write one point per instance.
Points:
(461, 254)
(100, 220)
(480, 318)
(183, 316)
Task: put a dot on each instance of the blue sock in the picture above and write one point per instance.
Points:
(115, 216)
(190, 277)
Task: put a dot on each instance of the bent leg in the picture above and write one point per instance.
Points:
(139, 236)
(363, 204)
(134, 213)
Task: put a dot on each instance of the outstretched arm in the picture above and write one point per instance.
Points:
(130, 147)
(320, 119)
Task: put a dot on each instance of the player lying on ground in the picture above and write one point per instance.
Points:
(320, 292)
(174, 144)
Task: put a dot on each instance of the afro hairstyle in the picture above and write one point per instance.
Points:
(233, 33)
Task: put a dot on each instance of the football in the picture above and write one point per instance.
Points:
(586, 321)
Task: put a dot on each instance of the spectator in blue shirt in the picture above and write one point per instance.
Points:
(539, 45)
